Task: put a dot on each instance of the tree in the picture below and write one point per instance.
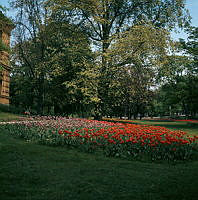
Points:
(29, 51)
(134, 68)
(103, 20)
(179, 91)
(190, 49)
(4, 20)
(71, 64)
(129, 40)
(50, 57)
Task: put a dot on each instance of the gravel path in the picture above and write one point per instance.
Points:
(16, 122)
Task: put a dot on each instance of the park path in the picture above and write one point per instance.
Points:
(17, 122)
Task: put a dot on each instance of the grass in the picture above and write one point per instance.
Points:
(30, 171)
(190, 128)
(4, 117)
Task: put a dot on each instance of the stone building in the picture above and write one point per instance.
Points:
(5, 30)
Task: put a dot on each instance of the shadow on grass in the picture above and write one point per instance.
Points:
(173, 124)
(178, 126)
(189, 127)
(36, 172)
(158, 120)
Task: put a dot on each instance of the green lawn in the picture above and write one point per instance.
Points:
(190, 128)
(30, 171)
(9, 117)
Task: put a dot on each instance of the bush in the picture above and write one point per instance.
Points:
(10, 109)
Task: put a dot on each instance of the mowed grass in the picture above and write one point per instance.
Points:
(189, 127)
(4, 117)
(30, 171)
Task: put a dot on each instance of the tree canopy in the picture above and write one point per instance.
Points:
(100, 57)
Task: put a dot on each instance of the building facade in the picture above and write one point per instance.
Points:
(5, 69)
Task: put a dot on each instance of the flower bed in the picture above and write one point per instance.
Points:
(113, 139)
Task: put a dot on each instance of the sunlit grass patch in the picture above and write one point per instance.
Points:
(4, 117)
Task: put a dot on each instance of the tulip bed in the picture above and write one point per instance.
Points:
(129, 141)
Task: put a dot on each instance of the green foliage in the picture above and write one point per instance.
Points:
(178, 94)
(133, 60)
(11, 109)
(3, 47)
(91, 58)
(53, 68)
(123, 32)
(180, 97)
(3, 18)
(142, 43)
(3, 21)
(191, 48)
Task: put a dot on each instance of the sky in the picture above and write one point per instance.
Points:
(191, 5)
